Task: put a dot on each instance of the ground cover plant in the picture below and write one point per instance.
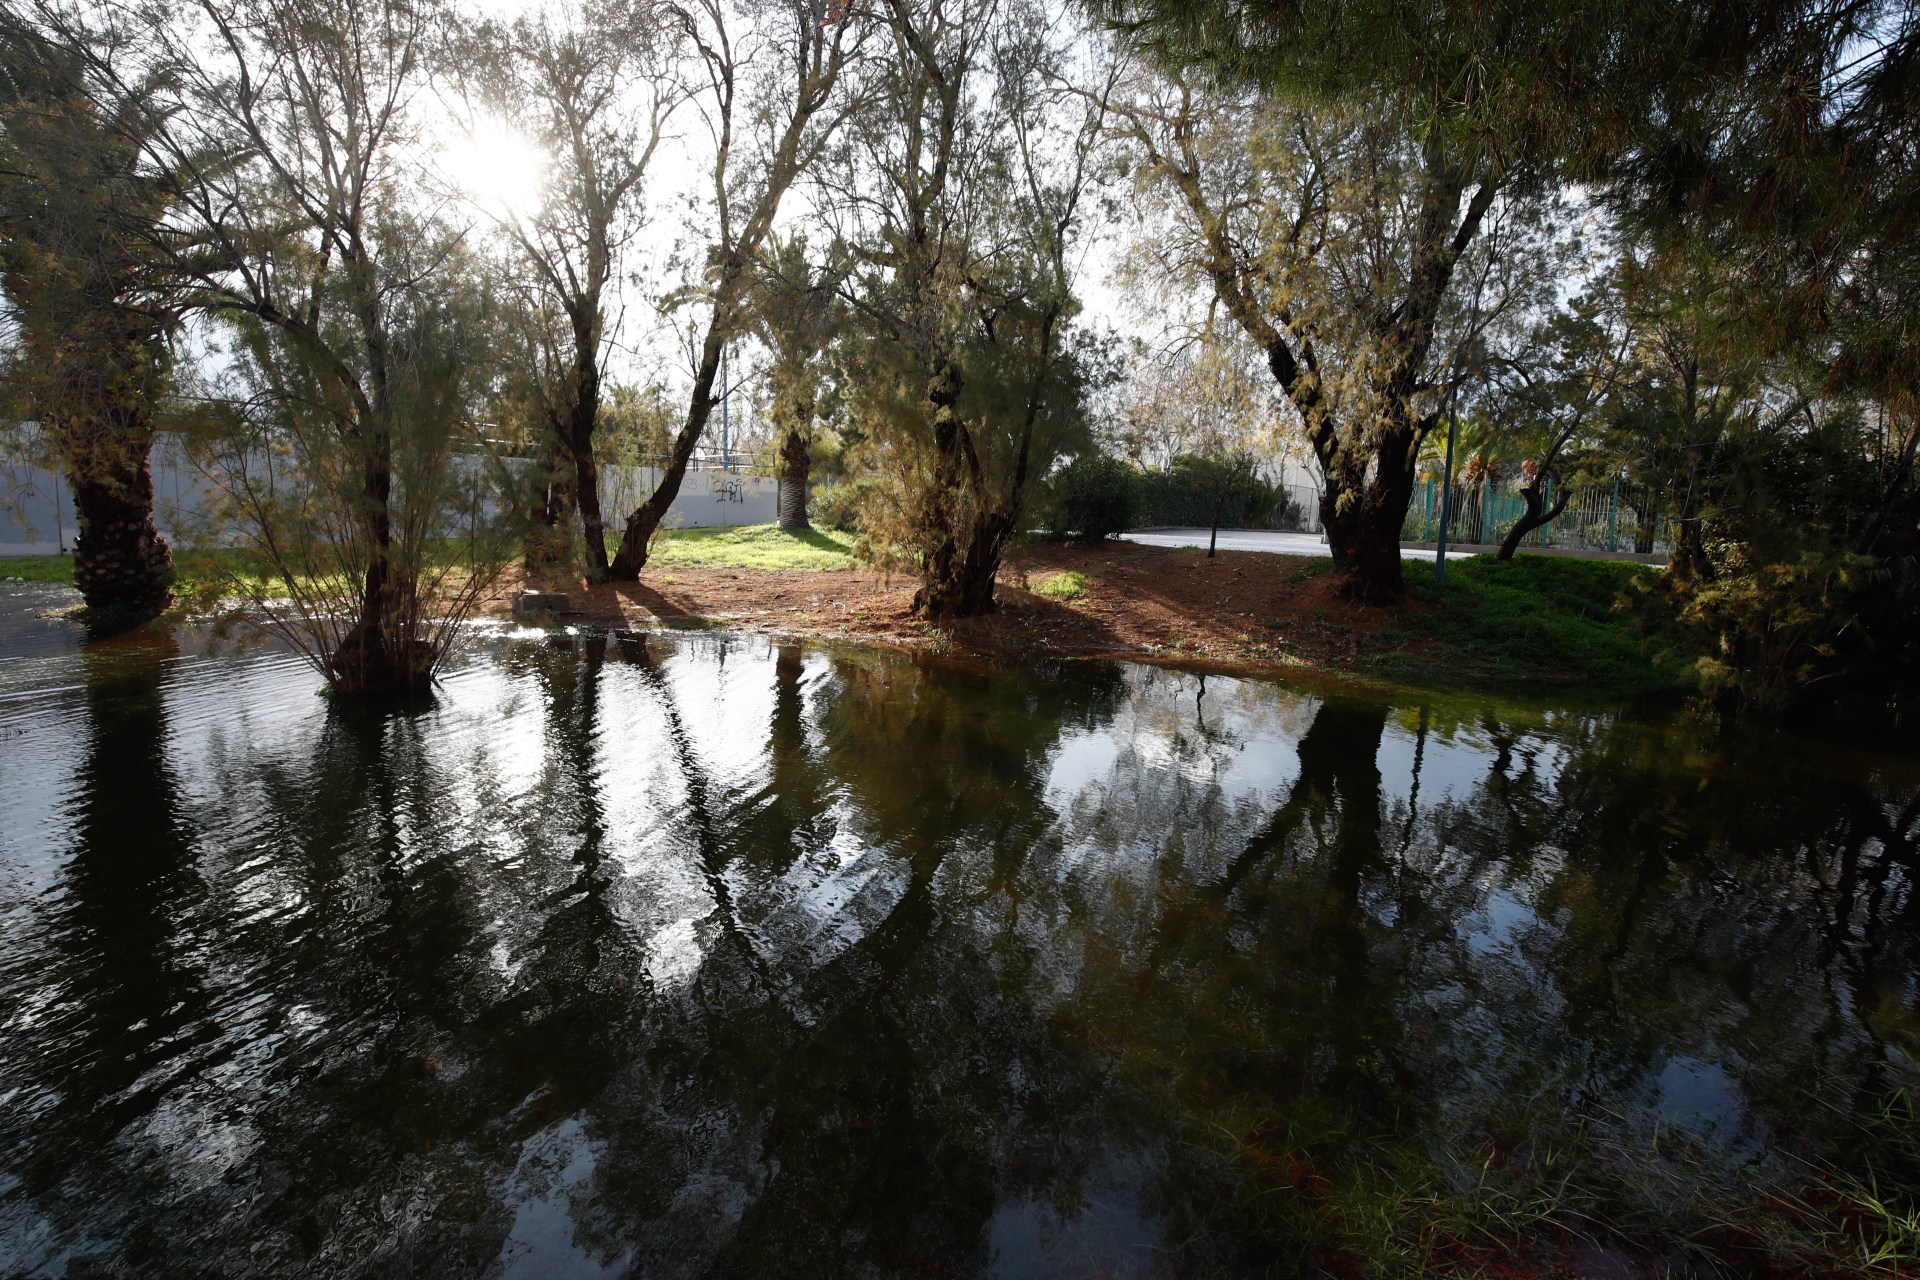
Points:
(1061, 586)
(1537, 619)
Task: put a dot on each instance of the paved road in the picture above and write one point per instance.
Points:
(1272, 541)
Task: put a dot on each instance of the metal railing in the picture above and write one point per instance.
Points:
(1612, 517)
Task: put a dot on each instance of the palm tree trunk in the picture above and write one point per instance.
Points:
(795, 466)
(121, 564)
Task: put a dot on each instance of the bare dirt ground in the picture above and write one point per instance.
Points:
(1238, 610)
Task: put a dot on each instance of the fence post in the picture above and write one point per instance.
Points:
(1428, 537)
(1486, 507)
(1546, 530)
(1613, 516)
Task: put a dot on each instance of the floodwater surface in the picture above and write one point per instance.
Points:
(697, 954)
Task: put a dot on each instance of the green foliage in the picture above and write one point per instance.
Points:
(837, 503)
(756, 546)
(1797, 592)
(796, 311)
(369, 514)
(1189, 492)
(1763, 635)
(1091, 499)
(637, 424)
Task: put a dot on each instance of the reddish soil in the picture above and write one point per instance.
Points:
(1237, 610)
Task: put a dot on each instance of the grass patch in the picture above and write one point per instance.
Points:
(762, 546)
(195, 572)
(37, 569)
(1062, 586)
(753, 546)
(202, 576)
(1532, 619)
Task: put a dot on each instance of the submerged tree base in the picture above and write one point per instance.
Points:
(372, 666)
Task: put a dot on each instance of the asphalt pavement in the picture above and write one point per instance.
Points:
(1272, 541)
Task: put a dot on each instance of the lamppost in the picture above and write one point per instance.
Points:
(1446, 499)
(1453, 429)
(726, 438)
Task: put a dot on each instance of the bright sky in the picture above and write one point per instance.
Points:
(500, 171)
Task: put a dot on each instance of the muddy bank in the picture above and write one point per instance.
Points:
(1239, 611)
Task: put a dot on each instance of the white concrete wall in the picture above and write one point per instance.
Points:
(707, 498)
(36, 508)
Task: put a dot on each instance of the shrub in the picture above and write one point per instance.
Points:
(1185, 495)
(1090, 499)
(836, 504)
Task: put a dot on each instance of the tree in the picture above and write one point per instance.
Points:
(1222, 478)
(1336, 237)
(1795, 176)
(341, 288)
(290, 477)
(1700, 371)
(963, 189)
(767, 127)
(1780, 140)
(1552, 396)
(81, 191)
(1092, 498)
(796, 311)
(595, 88)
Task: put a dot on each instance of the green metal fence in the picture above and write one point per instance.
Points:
(1599, 517)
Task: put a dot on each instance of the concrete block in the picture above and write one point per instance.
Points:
(528, 602)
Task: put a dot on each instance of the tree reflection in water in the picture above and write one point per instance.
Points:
(700, 955)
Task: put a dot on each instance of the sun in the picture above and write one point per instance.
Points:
(499, 169)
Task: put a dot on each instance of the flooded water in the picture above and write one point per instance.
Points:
(695, 954)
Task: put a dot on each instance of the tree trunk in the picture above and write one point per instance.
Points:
(1363, 533)
(580, 428)
(593, 528)
(1688, 560)
(1645, 528)
(645, 520)
(963, 588)
(1365, 538)
(955, 581)
(380, 656)
(121, 564)
(967, 538)
(550, 505)
(1536, 515)
(376, 658)
(795, 464)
